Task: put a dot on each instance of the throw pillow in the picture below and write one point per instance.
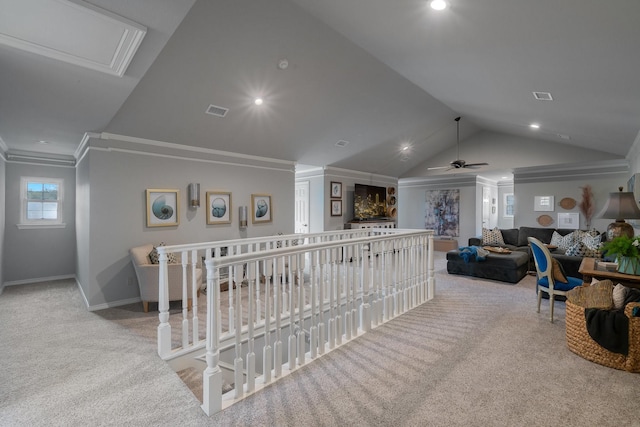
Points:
(154, 256)
(562, 242)
(581, 250)
(592, 242)
(619, 294)
(558, 272)
(492, 237)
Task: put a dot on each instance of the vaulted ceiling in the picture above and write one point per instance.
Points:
(379, 75)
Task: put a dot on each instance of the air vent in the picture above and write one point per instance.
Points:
(542, 96)
(342, 143)
(214, 110)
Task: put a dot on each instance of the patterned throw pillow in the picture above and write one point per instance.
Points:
(492, 237)
(562, 242)
(581, 250)
(154, 256)
(592, 242)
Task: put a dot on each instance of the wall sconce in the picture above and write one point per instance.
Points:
(194, 195)
(243, 217)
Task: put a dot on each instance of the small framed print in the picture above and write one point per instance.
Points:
(261, 209)
(336, 190)
(569, 220)
(218, 207)
(543, 203)
(336, 208)
(162, 208)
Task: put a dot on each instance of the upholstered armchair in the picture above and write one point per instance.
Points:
(148, 275)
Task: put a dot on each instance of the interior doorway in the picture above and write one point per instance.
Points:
(302, 207)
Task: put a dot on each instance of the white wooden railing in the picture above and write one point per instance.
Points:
(300, 296)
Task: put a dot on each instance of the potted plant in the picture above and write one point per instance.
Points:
(627, 251)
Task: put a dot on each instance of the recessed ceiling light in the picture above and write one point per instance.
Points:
(258, 101)
(534, 126)
(438, 4)
(543, 96)
(405, 148)
(43, 142)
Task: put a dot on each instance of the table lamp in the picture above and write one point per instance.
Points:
(620, 206)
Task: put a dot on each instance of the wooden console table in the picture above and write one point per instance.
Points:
(588, 271)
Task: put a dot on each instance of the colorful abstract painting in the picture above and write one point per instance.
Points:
(442, 212)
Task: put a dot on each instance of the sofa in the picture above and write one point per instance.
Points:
(515, 239)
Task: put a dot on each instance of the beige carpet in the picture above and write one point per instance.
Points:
(478, 355)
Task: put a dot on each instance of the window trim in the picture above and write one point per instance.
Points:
(504, 211)
(40, 223)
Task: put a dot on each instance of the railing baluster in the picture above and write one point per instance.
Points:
(195, 288)
(268, 270)
(238, 363)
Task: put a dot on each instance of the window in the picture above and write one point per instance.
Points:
(41, 202)
(509, 206)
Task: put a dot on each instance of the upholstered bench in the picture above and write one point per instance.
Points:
(511, 267)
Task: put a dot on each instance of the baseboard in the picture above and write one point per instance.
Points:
(106, 305)
(112, 304)
(38, 280)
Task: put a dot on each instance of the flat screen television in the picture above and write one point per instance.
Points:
(369, 202)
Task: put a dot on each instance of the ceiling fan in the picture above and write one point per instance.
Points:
(458, 163)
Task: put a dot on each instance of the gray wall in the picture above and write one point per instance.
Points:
(83, 198)
(3, 180)
(38, 254)
(319, 198)
(117, 209)
(567, 187)
(412, 204)
(504, 188)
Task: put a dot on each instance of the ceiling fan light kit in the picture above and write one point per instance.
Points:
(459, 163)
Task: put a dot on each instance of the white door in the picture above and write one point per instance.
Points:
(486, 196)
(302, 207)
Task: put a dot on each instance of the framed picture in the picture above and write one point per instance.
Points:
(336, 190)
(543, 203)
(569, 220)
(218, 207)
(261, 209)
(162, 208)
(336, 208)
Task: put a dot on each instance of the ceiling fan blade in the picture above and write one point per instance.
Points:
(438, 167)
(470, 165)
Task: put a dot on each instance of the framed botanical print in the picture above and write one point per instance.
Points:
(162, 207)
(336, 208)
(261, 209)
(336, 190)
(218, 207)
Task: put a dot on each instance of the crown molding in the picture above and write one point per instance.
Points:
(570, 171)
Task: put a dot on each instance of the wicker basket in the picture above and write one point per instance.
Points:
(581, 343)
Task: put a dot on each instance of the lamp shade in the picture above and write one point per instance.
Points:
(620, 206)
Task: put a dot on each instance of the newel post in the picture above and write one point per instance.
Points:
(212, 375)
(164, 328)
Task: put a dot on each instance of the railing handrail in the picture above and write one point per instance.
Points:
(290, 250)
(278, 237)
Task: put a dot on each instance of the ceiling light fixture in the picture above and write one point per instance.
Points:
(534, 126)
(438, 4)
(405, 148)
(258, 101)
